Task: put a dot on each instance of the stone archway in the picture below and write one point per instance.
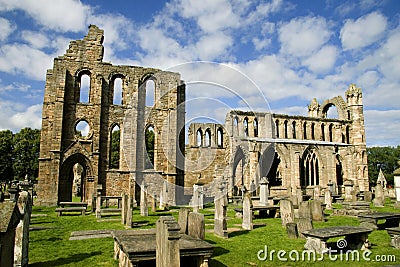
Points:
(67, 175)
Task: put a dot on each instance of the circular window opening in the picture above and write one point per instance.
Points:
(82, 129)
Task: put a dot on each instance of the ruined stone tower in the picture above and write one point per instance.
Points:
(89, 102)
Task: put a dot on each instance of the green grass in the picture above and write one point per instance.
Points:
(51, 247)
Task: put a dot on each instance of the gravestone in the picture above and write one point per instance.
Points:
(379, 200)
(291, 229)
(304, 224)
(368, 196)
(167, 242)
(144, 208)
(153, 203)
(264, 192)
(328, 200)
(221, 204)
(196, 225)
(253, 188)
(348, 189)
(9, 219)
(197, 199)
(317, 192)
(164, 196)
(305, 210)
(124, 207)
(247, 221)
(128, 223)
(22, 231)
(396, 174)
(287, 212)
(183, 219)
(299, 194)
(316, 210)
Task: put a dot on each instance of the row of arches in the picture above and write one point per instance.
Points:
(116, 89)
(247, 130)
(205, 139)
(310, 131)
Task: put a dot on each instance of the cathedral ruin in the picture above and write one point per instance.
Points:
(102, 117)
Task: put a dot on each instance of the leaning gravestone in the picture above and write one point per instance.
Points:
(21, 245)
(287, 212)
(247, 222)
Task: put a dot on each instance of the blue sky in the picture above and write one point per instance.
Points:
(292, 50)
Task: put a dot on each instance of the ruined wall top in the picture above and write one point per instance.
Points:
(89, 49)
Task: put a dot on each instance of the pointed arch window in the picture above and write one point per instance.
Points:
(117, 91)
(255, 125)
(220, 137)
(330, 129)
(149, 144)
(305, 130)
(277, 128)
(150, 92)
(313, 131)
(236, 126)
(208, 138)
(285, 126)
(294, 129)
(323, 132)
(199, 137)
(246, 126)
(310, 169)
(84, 88)
(115, 146)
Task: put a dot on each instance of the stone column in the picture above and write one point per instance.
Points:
(167, 242)
(264, 192)
(144, 209)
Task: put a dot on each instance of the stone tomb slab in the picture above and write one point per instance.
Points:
(139, 246)
(371, 220)
(356, 237)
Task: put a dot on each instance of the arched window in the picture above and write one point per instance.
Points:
(305, 130)
(115, 145)
(330, 129)
(246, 126)
(199, 137)
(313, 131)
(277, 128)
(84, 88)
(150, 92)
(285, 126)
(117, 91)
(310, 169)
(236, 126)
(347, 134)
(208, 138)
(149, 144)
(220, 137)
(323, 132)
(330, 111)
(255, 125)
(348, 115)
(294, 129)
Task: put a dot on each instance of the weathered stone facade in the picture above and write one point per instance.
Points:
(291, 151)
(63, 144)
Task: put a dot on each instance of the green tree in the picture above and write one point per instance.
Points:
(26, 153)
(115, 149)
(385, 158)
(6, 155)
(149, 142)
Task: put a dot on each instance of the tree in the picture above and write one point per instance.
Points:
(385, 158)
(115, 149)
(26, 153)
(6, 155)
(149, 142)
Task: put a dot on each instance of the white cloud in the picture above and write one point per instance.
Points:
(6, 28)
(60, 15)
(259, 44)
(35, 39)
(303, 36)
(16, 116)
(362, 32)
(212, 46)
(382, 127)
(323, 60)
(18, 58)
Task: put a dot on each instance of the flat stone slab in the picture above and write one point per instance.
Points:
(81, 235)
(381, 215)
(336, 231)
(140, 245)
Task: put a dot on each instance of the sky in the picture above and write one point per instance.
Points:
(286, 51)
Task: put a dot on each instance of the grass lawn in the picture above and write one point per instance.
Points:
(50, 245)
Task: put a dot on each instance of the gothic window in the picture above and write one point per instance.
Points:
(150, 92)
(208, 138)
(84, 88)
(255, 124)
(323, 132)
(305, 130)
(220, 137)
(149, 144)
(199, 137)
(313, 131)
(82, 129)
(310, 169)
(117, 91)
(347, 134)
(277, 128)
(330, 129)
(246, 126)
(294, 129)
(236, 126)
(285, 126)
(115, 145)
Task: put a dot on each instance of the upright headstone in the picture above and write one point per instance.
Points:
(197, 198)
(304, 224)
(167, 242)
(144, 208)
(183, 219)
(291, 229)
(196, 225)
(164, 196)
(317, 192)
(247, 221)
(22, 231)
(154, 203)
(287, 212)
(128, 223)
(379, 200)
(124, 207)
(221, 204)
(367, 196)
(317, 211)
(396, 175)
(98, 206)
(305, 210)
(328, 200)
(253, 189)
(264, 192)
(299, 194)
(348, 189)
